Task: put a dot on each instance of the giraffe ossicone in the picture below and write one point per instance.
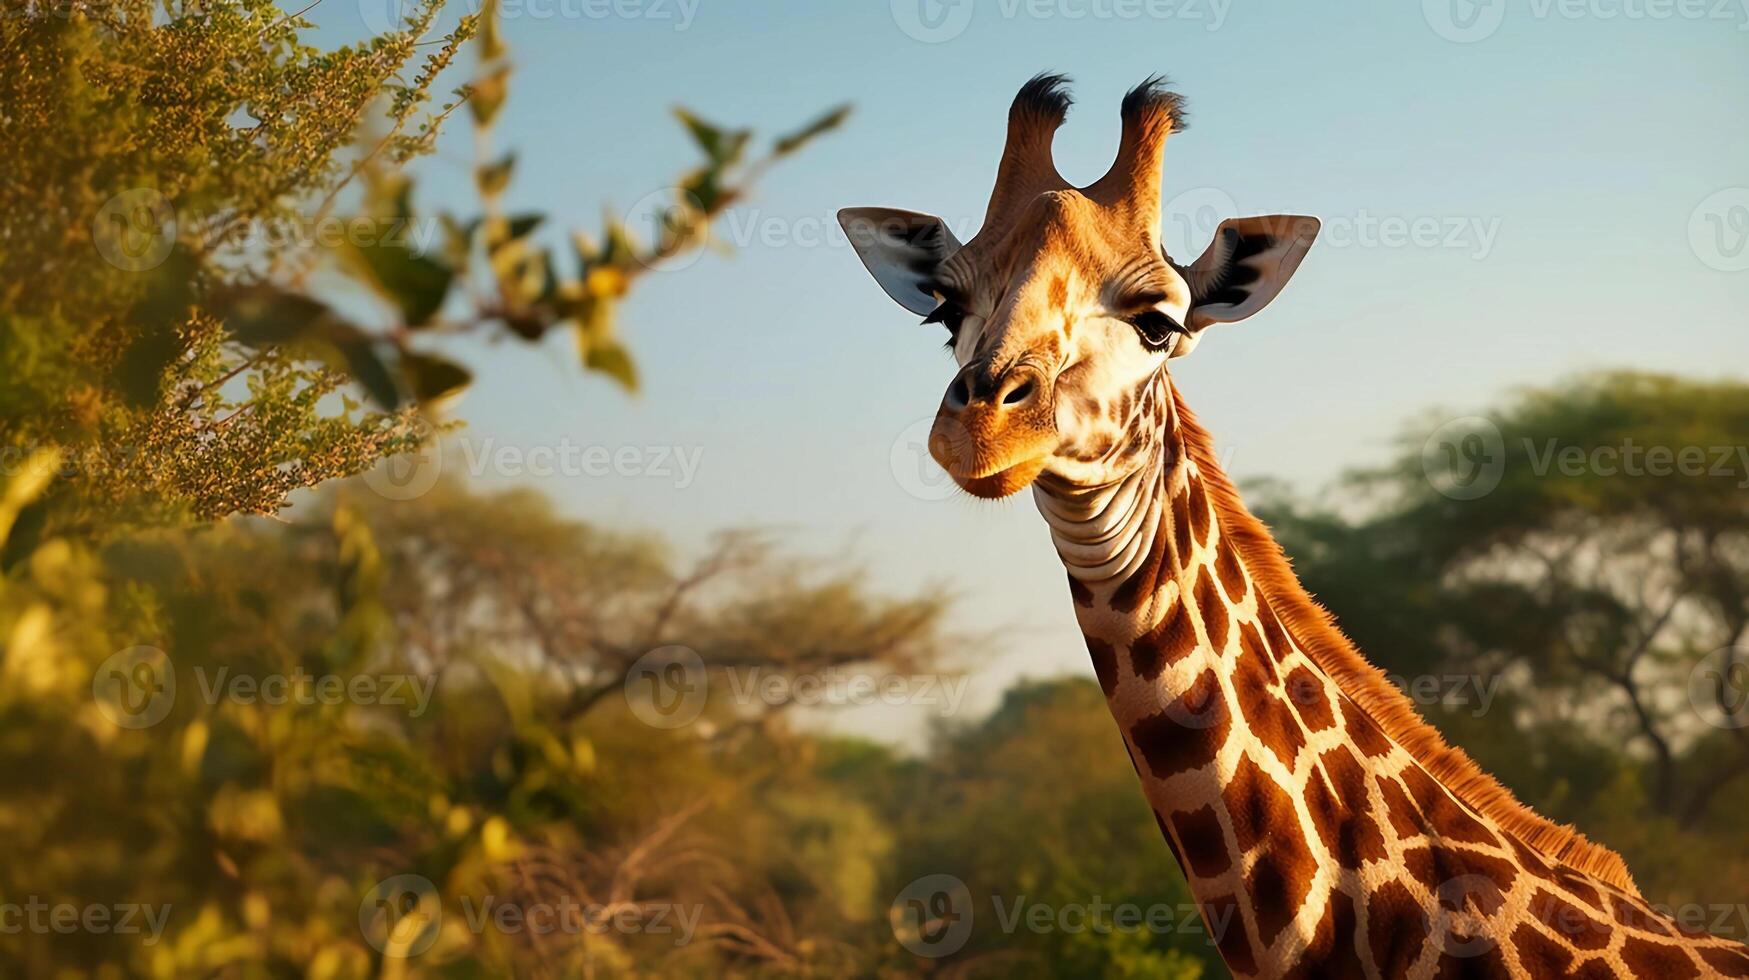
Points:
(1322, 824)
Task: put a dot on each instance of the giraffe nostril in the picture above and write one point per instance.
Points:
(1020, 392)
(959, 394)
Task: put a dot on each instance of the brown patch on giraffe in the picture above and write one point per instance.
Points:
(1530, 860)
(1232, 575)
(1215, 618)
(1226, 924)
(1273, 723)
(1538, 954)
(1443, 814)
(1059, 292)
(1171, 640)
(1080, 592)
(1306, 691)
(1634, 917)
(1120, 407)
(1396, 929)
(1145, 581)
(1363, 732)
(1279, 882)
(1253, 675)
(1104, 664)
(1487, 964)
(1251, 645)
(1595, 969)
(1577, 887)
(1348, 832)
(1462, 882)
(1732, 962)
(1332, 953)
(1186, 734)
(1095, 450)
(1183, 545)
(1568, 921)
(1273, 635)
(1262, 814)
(1198, 505)
(1202, 842)
(1650, 959)
(1399, 808)
(1248, 807)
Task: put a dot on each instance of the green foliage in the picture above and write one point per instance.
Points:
(191, 169)
(120, 253)
(1037, 810)
(521, 775)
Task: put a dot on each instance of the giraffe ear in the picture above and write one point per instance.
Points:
(901, 249)
(1246, 265)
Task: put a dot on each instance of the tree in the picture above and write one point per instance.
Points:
(200, 192)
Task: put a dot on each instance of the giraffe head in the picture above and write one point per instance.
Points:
(1063, 311)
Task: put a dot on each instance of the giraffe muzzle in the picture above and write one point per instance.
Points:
(996, 429)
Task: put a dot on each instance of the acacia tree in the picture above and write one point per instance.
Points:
(196, 189)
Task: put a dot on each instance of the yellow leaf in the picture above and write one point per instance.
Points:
(194, 741)
(496, 841)
(606, 280)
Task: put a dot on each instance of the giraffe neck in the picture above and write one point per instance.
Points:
(1314, 843)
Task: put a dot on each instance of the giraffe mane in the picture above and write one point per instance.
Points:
(1324, 642)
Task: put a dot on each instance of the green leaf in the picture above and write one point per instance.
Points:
(503, 232)
(364, 364)
(612, 359)
(488, 95)
(825, 123)
(522, 225)
(265, 315)
(431, 377)
(491, 32)
(492, 178)
(417, 284)
(723, 147)
(458, 240)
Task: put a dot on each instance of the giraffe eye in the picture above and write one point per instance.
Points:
(949, 315)
(1157, 329)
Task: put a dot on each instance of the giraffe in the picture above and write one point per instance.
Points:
(1324, 828)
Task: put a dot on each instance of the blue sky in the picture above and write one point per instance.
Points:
(1511, 192)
